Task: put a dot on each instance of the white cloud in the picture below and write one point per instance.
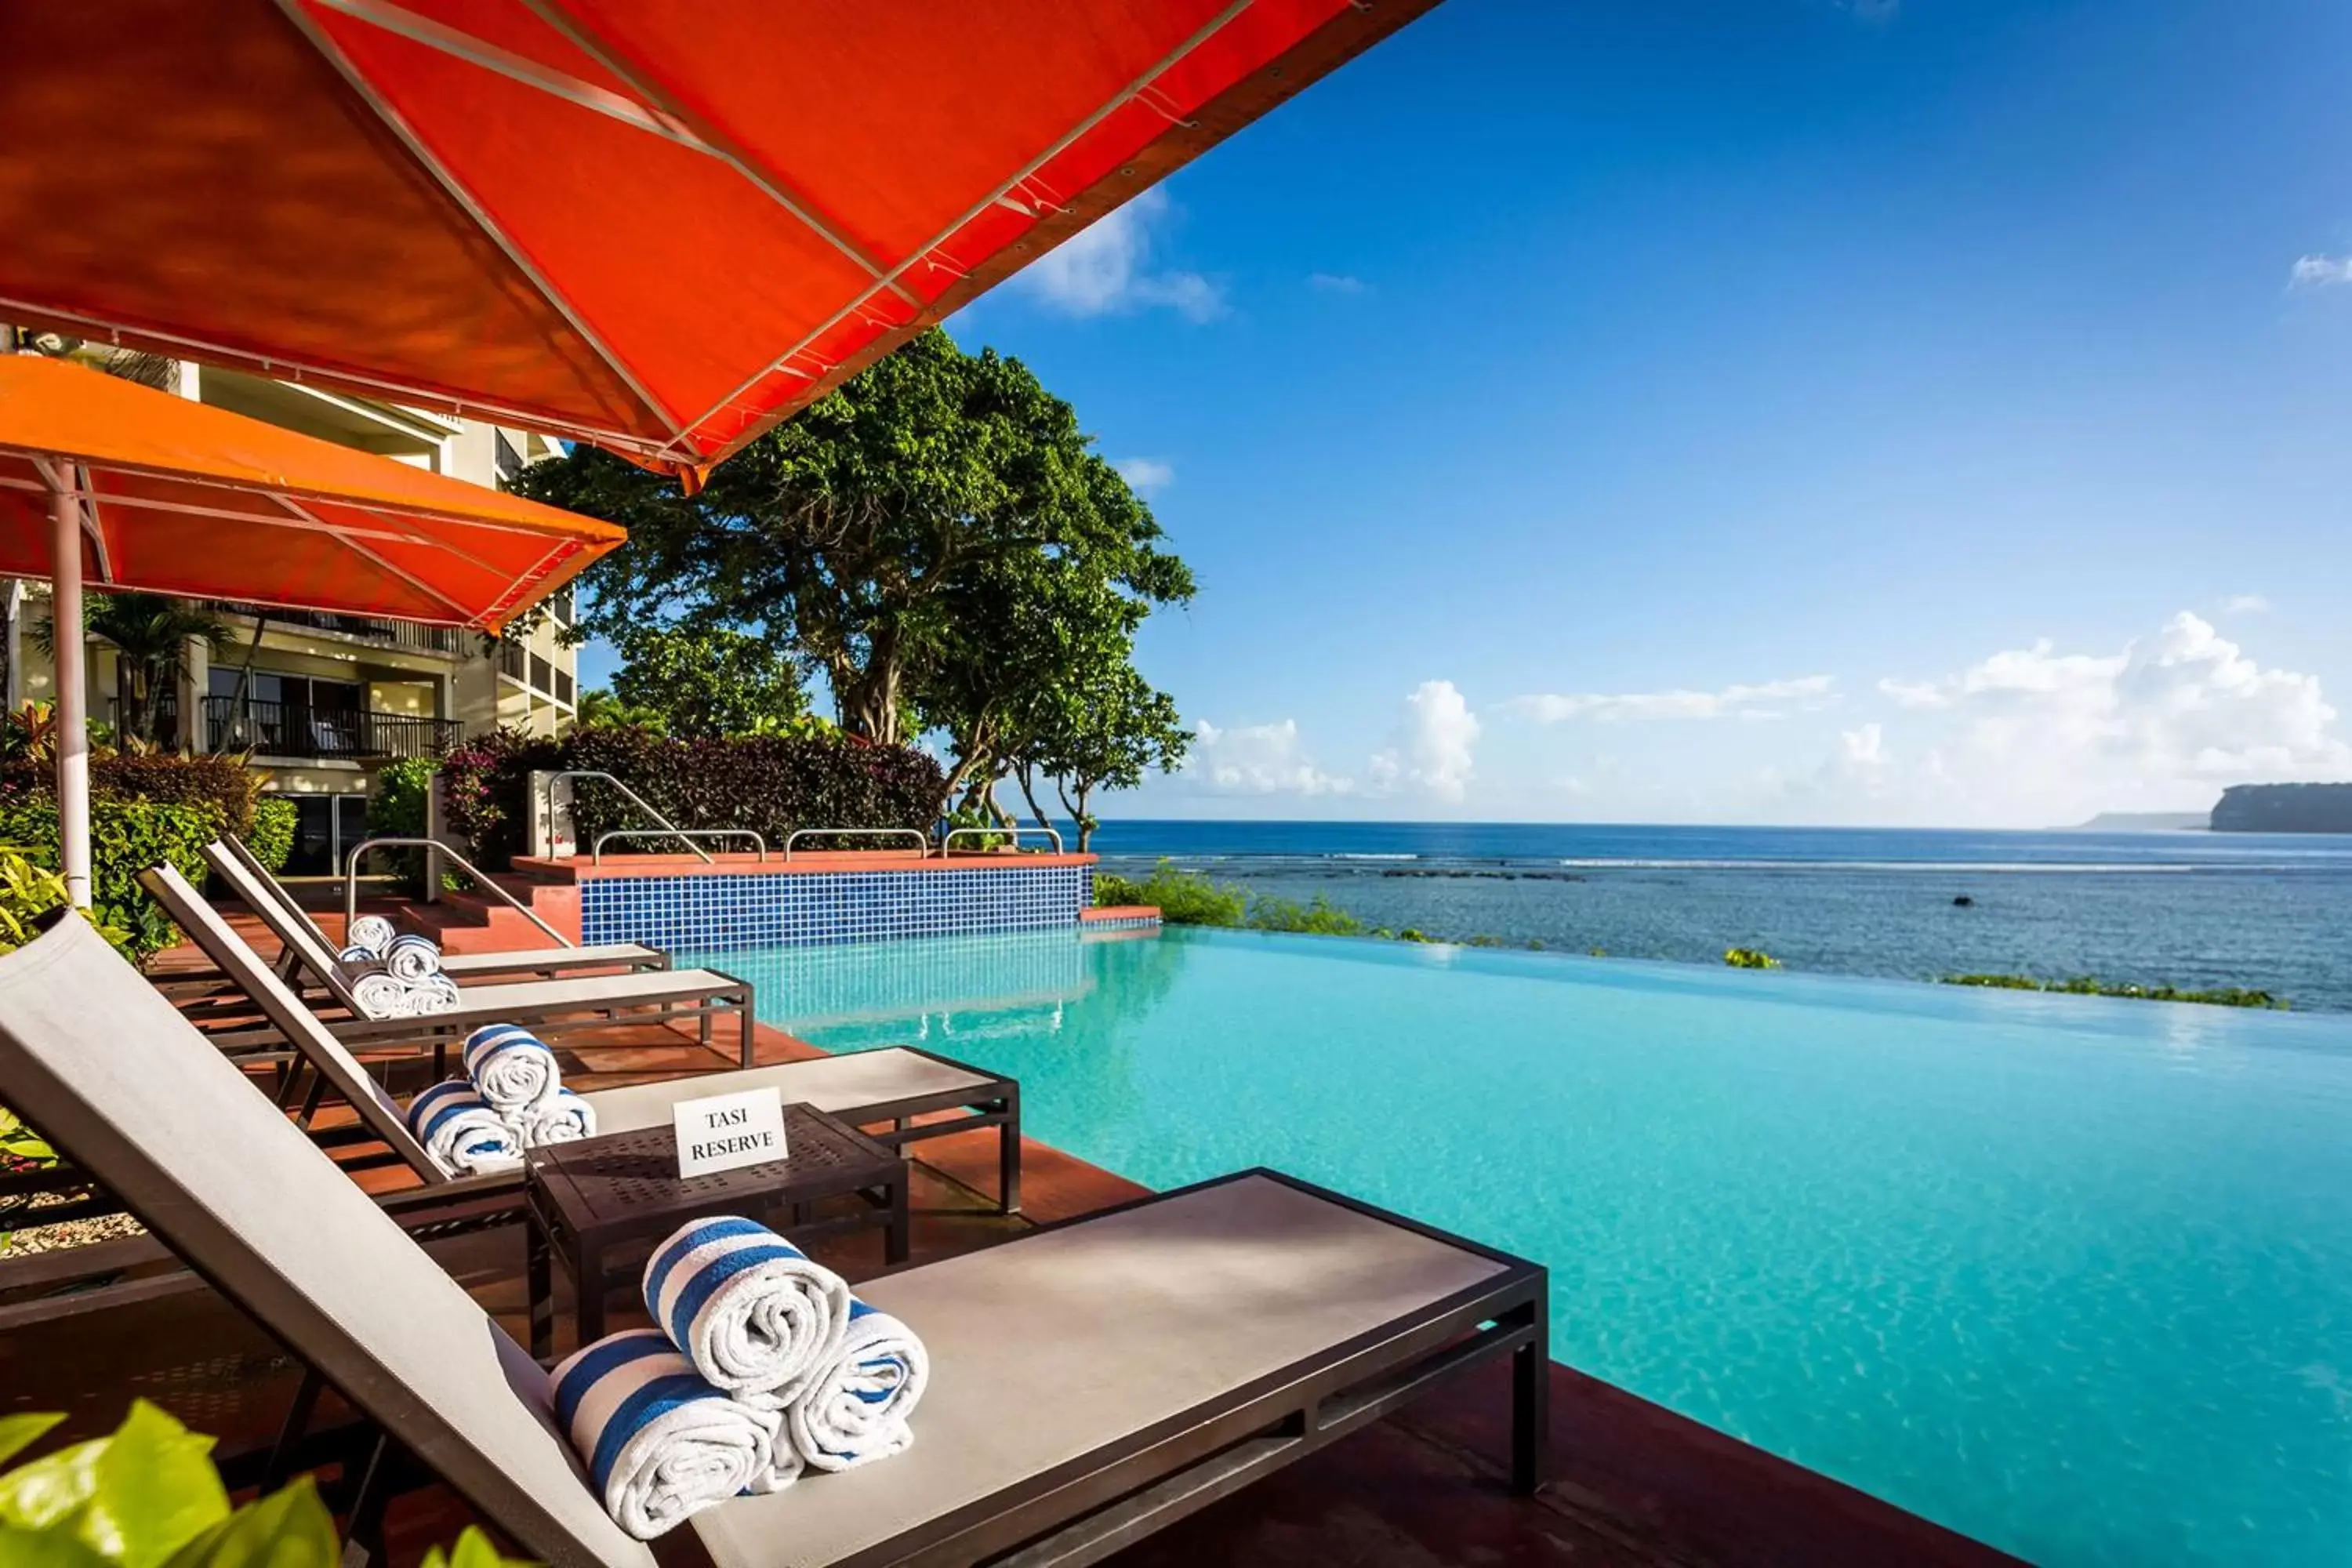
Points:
(1431, 749)
(1257, 758)
(1105, 268)
(1337, 283)
(2320, 272)
(1767, 700)
(2032, 736)
(2244, 604)
(1146, 473)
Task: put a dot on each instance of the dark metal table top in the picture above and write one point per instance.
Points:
(628, 1180)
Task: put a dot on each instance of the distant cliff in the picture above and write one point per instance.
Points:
(2284, 808)
(2143, 822)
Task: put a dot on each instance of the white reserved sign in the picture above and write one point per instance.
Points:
(726, 1131)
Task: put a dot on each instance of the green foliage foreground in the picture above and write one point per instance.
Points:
(148, 1497)
(2086, 985)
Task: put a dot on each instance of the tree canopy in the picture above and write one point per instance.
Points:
(937, 538)
(697, 682)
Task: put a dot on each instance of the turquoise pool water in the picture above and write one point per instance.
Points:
(2073, 1275)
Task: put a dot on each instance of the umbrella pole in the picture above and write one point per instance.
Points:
(73, 715)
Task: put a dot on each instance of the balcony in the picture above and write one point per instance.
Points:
(342, 734)
(409, 636)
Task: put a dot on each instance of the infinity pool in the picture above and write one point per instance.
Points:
(2072, 1276)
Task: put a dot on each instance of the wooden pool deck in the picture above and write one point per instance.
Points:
(1631, 1482)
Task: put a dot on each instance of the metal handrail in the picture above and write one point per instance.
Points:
(1013, 832)
(596, 850)
(634, 799)
(481, 880)
(922, 840)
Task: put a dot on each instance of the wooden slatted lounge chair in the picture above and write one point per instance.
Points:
(566, 1005)
(269, 897)
(1091, 1382)
(888, 1087)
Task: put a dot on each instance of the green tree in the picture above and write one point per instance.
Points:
(1028, 642)
(150, 634)
(598, 706)
(1105, 733)
(854, 524)
(705, 681)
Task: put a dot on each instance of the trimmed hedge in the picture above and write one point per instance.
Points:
(272, 837)
(126, 838)
(769, 784)
(170, 780)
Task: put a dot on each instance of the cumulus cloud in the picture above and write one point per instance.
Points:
(2035, 735)
(1257, 758)
(1766, 700)
(2321, 272)
(1146, 473)
(1337, 283)
(1106, 269)
(1432, 750)
(2244, 604)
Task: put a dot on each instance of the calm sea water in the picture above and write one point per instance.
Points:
(2270, 912)
(2071, 1275)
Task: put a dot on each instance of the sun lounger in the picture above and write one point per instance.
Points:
(1091, 1382)
(891, 1087)
(269, 898)
(566, 1004)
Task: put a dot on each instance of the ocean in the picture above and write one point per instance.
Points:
(2267, 912)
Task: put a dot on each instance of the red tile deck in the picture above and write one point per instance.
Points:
(1630, 1483)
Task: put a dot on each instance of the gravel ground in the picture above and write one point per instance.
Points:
(30, 1238)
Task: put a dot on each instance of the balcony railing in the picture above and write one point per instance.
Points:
(296, 729)
(408, 634)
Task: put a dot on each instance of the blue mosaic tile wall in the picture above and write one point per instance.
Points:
(717, 913)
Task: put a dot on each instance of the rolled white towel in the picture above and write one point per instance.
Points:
(356, 956)
(562, 1118)
(749, 1308)
(461, 1132)
(660, 1443)
(435, 994)
(512, 1068)
(413, 958)
(373, 933)
(853, 1409)
(376, 991)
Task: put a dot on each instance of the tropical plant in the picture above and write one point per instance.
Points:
(599, 706)
(1749, 958)
(1183, 898)
(147, 1495)
(271, 837)
(1319, 918)
(179, 779)
(698, 682)
(126, 838)
(150, 634)
(854, 524)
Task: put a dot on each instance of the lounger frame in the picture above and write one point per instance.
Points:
(690, 995)
(1068, 1513)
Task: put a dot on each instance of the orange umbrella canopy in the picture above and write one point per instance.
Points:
(179, 497)
(657, 225)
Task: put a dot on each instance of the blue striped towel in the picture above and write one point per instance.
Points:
(413, 958)
(853, 1409)
(749, 1308)
(460, 1130)
(511, 1066)
(372, 934)
(562, 1118)
(661, 1444)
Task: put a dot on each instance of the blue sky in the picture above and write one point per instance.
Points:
(1751, 410)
